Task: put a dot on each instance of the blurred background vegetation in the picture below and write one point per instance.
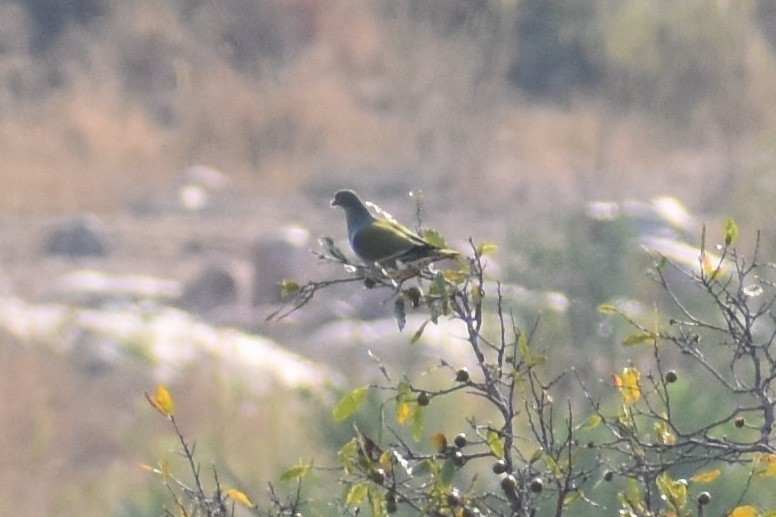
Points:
(510, 116)
(519, 99)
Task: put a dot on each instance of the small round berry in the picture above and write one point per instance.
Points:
(704, 498)
(460, 441)
(671, 376)
(459, 459)
(537, 485)
(423, 399)
(390, 502)
(499, 467)
(739, 422)
(509, 483)
(377, 476)
(462, 375)
(608, 475)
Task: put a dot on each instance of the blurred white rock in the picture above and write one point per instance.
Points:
(198, 186)
(94, 287)
(166, 340)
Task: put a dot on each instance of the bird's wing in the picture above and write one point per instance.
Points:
(383, 239)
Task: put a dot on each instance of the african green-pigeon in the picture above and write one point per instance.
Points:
(385, 241)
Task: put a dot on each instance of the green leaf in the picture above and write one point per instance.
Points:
(417, 423)
(413, 295)
(486, 248)
(377, 502)
(639, 338)
(456, 276)
(731, 232)
(357, 494)
(552, 465)
(418, 333)
(495, 443)
(435, 238)
(571, 498)
(327, 243)
(288, 287)
(448, 472)
(424, 468)
(439, 285)
(522, 345)
(591, 422)
(348, 455)
(298, 471)
(607, 308)
(530, 358)
(349, 404)
(399, 313)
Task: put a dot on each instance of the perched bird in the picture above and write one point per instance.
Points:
(385, 241)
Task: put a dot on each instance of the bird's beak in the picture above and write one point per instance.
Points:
(334, 202)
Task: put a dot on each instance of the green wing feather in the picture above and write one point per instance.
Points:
(388, 241)
(383, 239)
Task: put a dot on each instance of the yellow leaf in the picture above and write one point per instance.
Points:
(403, 412)
(706, 477)
(709, 269)
(495, 443)
(765, 465)
(386, 462)
(164, 468)
(663, 433)
(731, 232)
(674, 492)
(357, 494)
(162, 401)
(744, 511)
(164, 398)
(240, 497)
(478, 293)
(628, 384)
(438, 442)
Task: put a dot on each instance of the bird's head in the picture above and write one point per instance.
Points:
(346, 199)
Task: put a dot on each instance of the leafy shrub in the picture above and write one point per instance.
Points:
(683, 428)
